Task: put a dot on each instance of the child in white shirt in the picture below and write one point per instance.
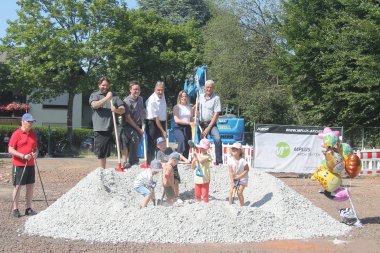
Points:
(144, 183)
(238, 170)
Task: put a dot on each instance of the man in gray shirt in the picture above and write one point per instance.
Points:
(209, 109)
(102, 118)
(134, 117)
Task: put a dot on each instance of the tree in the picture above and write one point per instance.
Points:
(179, 11)
(5, 73)
(332, 56)
(58, 46)
(240, 48)
(148, 48)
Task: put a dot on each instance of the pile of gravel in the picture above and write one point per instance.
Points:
(103, 207)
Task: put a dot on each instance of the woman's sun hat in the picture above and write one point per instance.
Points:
(204, 143)
(237, 145)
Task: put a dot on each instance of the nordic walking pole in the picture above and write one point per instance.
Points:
(145, 165)
(18, 186)
(42, 185)
(166, 129)
(119, 168)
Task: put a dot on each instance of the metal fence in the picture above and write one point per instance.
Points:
(363, 138)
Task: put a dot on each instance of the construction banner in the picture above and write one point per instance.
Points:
(281, 148)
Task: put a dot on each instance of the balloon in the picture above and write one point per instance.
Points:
(334, 161)
(328, 130)
(330, 140)
(353, 165)
(329, 181)
(345, 150)
(336, 133)
(339, 194)
(325, 131)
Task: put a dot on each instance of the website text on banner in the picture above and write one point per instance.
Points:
(280, 148)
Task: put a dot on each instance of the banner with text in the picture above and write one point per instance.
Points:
(288, 148)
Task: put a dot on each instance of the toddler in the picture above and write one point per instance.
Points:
(238, 170)
(168, 177)
(163, 156)
(144, 183)
(202, 180)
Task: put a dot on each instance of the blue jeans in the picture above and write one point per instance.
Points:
(143, 190)
(182, 134)
(215, 135)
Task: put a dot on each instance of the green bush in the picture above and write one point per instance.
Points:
(56, 133)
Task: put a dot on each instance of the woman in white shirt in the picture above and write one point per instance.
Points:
(183, 117)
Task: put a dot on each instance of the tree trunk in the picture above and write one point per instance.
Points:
(70, 106)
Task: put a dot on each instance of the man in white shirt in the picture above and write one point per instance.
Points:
(156, 116)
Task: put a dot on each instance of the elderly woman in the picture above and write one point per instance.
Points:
(183, 117)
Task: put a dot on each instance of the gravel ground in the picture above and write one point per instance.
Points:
(103, 207)
(268, 201)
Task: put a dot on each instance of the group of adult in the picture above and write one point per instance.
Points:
(133, 114)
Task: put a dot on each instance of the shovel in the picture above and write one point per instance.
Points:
(119, 168)
(236, 188)
(160, 201)
(198, 170)
(145, 165)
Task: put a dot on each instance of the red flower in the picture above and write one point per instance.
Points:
(15, 107)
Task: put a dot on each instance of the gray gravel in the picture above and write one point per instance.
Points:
(103, 207)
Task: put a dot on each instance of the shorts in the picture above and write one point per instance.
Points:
(143, 190)
(124, 138)
(169, 192)
(27, 178)
(103, 143)
(177, 178)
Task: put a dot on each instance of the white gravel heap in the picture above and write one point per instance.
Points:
(103, 207)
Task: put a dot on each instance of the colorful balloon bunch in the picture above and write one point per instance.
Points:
(338, 157)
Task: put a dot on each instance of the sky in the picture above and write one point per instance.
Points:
(8, 12)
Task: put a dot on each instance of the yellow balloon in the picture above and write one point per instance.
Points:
(329, 181)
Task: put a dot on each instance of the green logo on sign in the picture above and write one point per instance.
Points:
(282, 149)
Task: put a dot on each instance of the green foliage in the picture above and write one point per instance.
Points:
(331, 54)
(179, 11)
(56, 133)
(56, 47)
(6, 82)
(239, 49)
(147, 47)
(60, 133)
(7, 129)
(65, 46)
